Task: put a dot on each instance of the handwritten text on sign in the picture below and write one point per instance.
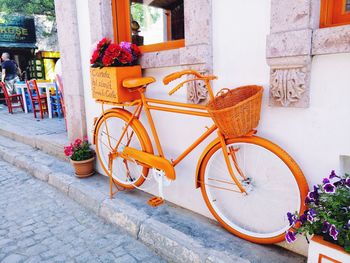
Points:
(107, 83)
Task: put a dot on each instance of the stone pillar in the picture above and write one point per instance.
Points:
(68, 38)
(289, 51)
(101, 20)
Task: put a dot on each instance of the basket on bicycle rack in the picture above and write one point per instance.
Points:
(237, 111)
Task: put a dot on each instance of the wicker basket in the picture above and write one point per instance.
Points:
(236, 112)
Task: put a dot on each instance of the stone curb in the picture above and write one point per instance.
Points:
(37, 142)
(170, 243)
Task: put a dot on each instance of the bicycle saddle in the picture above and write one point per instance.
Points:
(133, 83)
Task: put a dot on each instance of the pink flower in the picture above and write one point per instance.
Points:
(68, 150)
(77, 142)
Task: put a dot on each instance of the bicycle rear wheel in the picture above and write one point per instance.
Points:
(276, 186)
(125, 173)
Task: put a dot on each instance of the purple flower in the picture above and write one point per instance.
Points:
(325, 227)
(303, 218)
(126, 45)
(312, 212)
(347, 226)
(333, 232)
(310, 218)
(308, 200)
(291, 218)
(347, 182)
(311, 215)
(290, 237)
(329, 188)
(325, 181)
(312, 196)
(332, 175)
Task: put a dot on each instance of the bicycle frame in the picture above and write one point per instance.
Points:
(148, 104)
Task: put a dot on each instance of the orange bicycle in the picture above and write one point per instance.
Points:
(248, 183)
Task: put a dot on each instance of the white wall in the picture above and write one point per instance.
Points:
(315, 136)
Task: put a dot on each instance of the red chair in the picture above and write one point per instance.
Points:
(37, 99)
(10, 99)
(61, 92)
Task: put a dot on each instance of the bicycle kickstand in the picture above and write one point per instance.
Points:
(158, 200)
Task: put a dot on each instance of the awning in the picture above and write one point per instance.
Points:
(17, 45)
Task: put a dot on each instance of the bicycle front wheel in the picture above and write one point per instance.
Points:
(274, 187)
(126, 173)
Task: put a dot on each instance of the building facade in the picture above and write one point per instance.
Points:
(292, 48)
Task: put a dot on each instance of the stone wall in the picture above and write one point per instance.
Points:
(294, 38)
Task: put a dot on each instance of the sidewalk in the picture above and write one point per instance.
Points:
(46, 134)
(177, 234)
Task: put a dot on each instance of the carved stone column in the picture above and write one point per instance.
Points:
(289, 51)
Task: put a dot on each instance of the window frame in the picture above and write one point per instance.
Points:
(333, 13)
(122, 30)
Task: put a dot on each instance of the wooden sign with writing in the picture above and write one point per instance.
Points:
(106, 83)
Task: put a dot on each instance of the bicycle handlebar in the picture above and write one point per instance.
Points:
(179, 74)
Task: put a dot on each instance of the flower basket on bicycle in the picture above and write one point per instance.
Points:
(236, 112)
(110, 65)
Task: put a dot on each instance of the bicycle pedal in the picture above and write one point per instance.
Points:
(155, 201)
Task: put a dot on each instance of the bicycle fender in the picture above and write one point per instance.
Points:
(199, 164)
(116, 110)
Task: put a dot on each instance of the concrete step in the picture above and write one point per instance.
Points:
(48, 135)
(176, 234)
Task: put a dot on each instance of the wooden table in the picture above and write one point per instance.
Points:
(42, 86)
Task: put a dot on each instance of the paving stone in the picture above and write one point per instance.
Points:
(126, 259)
(107, 258)
(40, 224)
(26, 242)
(34, 259)
(14, 258)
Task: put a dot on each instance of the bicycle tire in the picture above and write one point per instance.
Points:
(115, 120)
(260, 216)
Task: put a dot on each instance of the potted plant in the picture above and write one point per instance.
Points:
(81, 156)
(110, 64)
(327, 218)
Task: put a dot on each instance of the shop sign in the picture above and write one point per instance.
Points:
(106, 83)
(19, 29)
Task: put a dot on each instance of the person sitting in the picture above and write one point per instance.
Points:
(9, 73)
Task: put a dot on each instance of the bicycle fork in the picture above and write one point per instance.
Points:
(231, 153)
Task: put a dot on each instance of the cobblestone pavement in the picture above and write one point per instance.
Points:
(40, 224)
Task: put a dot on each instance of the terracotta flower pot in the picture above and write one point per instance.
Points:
(324, 251)
(84, 168)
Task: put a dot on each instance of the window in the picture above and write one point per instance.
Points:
(335, 13)
(153, 25)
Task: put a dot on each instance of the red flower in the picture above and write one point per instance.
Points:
(125, 56)
(95, 56)
(103, 43)
(111, 53)
(135, 50)
(107, 60)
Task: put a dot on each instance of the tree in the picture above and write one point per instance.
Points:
(28, 7)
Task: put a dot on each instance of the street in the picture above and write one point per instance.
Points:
(40, 224)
